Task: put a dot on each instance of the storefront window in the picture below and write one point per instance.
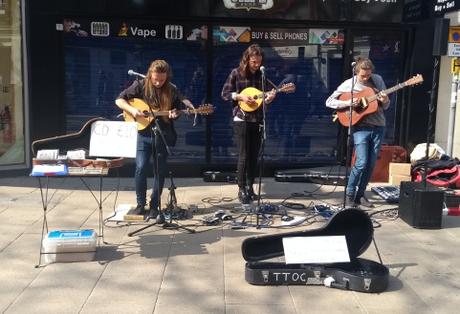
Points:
(299, 126)
(98, 55)
(11, 96)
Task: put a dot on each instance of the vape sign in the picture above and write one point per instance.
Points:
(174, 32)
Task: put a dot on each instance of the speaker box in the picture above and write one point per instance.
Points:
(419, 206)
(441, 33)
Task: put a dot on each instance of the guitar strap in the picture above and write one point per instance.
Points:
(371, 81)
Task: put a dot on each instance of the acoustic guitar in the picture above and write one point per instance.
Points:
(257, 95)
(368, 102)
(150, 114)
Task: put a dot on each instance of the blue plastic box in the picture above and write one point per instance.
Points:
(70, 245)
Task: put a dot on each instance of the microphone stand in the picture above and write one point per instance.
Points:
(349, 134)
(154, 132)
(263, 136)
(171, 206)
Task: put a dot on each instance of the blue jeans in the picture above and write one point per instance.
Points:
(143, 154)
(367, 142)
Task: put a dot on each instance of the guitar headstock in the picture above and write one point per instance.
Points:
(417, 79)
(287, 88)
(205, 109)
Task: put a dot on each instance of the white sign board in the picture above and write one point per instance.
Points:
(113, 139)
(453, 49)
(316, 250)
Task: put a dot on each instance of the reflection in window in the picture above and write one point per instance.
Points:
(11, 101)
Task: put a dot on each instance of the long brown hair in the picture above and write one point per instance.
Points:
(161, 97)
(253, 50)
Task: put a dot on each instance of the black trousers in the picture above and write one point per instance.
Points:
(248, 141)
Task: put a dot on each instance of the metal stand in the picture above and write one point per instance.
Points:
(431, 109)
(156, 130)
(46, 199)
(349, 134)
(263, 136)
(171, 207)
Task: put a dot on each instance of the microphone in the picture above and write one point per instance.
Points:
(262, 69)
(353, 64)
(131, 72)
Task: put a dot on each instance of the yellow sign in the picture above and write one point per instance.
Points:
(454, 34)
(455, 66)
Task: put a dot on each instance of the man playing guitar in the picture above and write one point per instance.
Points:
(368, 133)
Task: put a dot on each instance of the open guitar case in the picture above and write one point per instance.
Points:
(358, 275)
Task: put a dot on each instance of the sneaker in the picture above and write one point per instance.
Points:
(151, 214)
(252, 196)
(139, 210)
(363, 201)
(350, 202)
(243, 196)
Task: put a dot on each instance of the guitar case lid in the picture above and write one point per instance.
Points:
(353, 223)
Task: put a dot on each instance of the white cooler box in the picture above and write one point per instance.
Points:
(70, 245)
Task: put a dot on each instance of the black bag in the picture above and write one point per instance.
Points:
(358, 275)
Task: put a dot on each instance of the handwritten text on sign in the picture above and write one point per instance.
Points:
(113, 139)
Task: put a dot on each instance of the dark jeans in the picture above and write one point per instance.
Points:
(143, 154)
(248, 140)
(367, 142)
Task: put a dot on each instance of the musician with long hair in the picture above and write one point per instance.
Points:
(368, 133)
(246, 125)
(159, 93)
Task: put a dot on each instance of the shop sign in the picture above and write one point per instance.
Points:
(453, 50)
(443, 6)
(326, 36)
(311, 10)
(231, 34)
(280, 35)
(143, 30)
(249, 4)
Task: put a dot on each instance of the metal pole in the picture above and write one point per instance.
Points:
(453, 104)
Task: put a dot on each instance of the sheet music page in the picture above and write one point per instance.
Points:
(316, 250)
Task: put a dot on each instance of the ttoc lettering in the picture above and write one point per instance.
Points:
(294, 277)
(143, 32)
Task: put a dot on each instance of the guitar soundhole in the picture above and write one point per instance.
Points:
(255, 97)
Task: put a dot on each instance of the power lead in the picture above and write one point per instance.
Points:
(269, 208)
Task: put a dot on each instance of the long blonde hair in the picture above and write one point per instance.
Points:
(159, 97)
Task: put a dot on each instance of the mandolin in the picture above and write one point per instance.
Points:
(256, 94)
(150, 114)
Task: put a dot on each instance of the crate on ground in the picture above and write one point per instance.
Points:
(70, 245)
(396, 179)
(398, 168)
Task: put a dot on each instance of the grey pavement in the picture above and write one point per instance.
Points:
(171, 271)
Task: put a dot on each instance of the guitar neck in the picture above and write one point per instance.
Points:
(387, 91)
